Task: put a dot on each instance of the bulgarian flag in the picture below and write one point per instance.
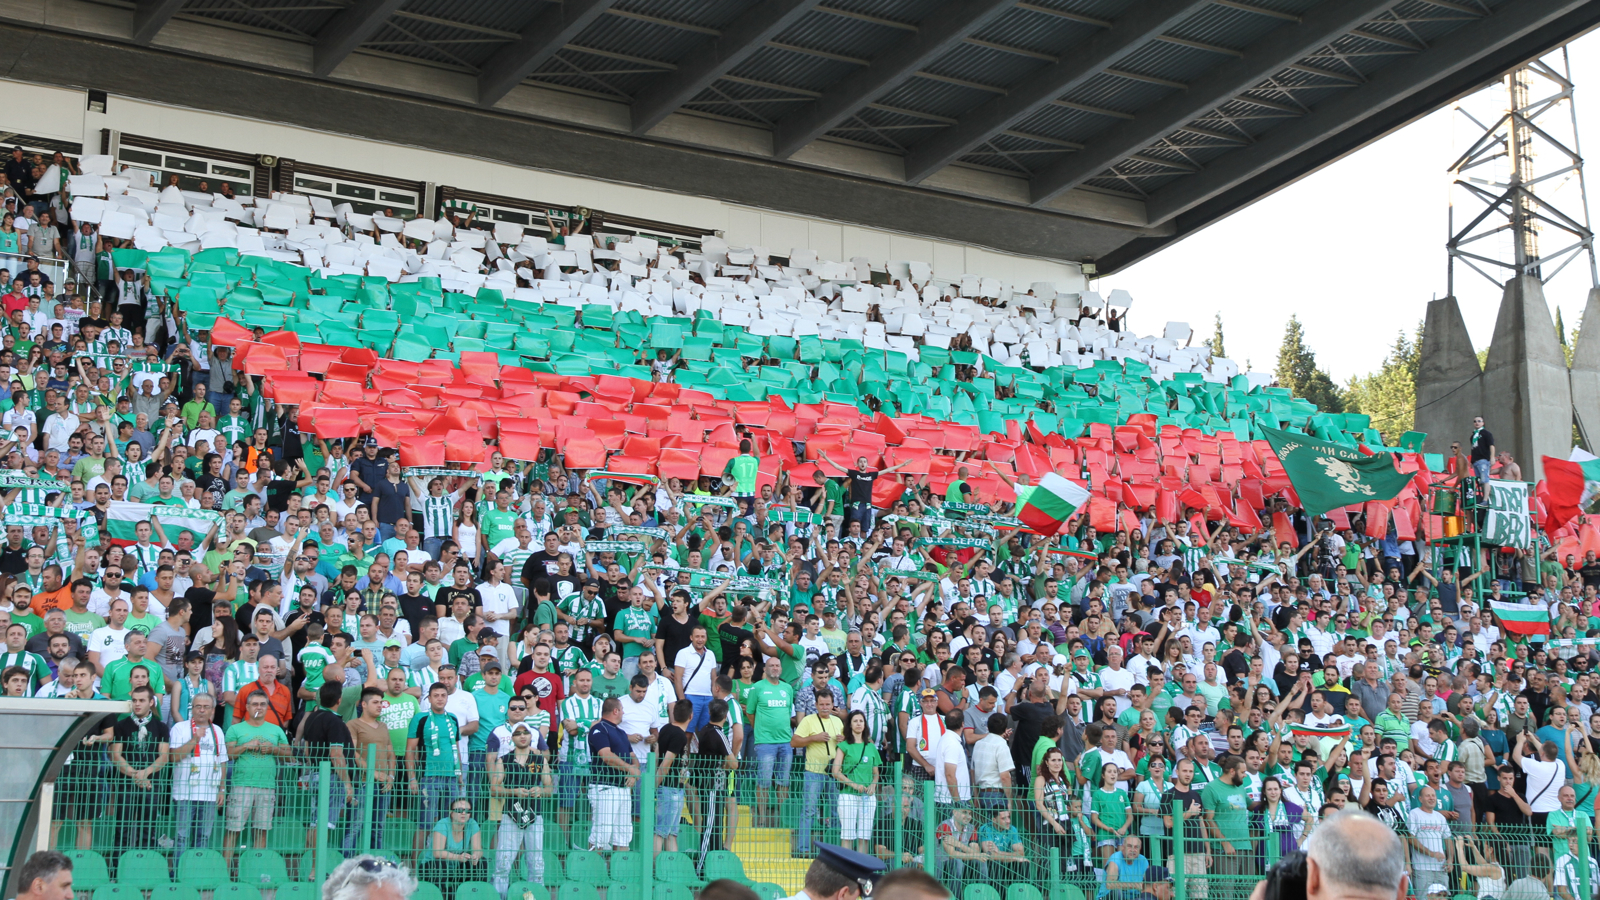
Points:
(1517, 618)
(1569, 486)
(1320, 731)
(1049, 504)
(122, 518)
(625, 477)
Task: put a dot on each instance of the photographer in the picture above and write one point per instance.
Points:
(1351, 856)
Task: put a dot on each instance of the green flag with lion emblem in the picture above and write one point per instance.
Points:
(1328, 476)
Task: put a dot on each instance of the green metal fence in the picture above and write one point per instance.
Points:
(536, 830)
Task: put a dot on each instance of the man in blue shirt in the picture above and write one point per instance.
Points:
(612, 776)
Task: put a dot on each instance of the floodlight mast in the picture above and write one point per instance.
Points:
(1521, 179)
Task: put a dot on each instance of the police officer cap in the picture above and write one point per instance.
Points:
(859, 867)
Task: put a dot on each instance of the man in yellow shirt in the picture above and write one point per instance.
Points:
(819, 733)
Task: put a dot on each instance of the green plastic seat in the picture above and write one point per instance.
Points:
(675, 867)
(766, 890)
(577, 890)
(724, 864)
(117, 892)
(527, 890)
(980, 892)
(627, 866)
(672, 892)
(1065, 891)
(202, 869)
(427, 890)
(587, 867)
(264, 868)
(308, 863)
(1022, 891)
(476, 890)
(142, 869)
(174, 892)
(623, 890)
(298, 890)
(88, 870)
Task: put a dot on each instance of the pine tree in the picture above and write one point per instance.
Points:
(1389, 395)
(1298, 371)
(1215, 341)
(1561, 336)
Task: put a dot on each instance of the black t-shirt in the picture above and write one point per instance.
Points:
(412, 609)
(861, 485)
(140, 752)
(1173, 802)
(674, 636)
(391, 500)
(1506, 811)
(370, 471)
(13, 562)
(1234, 666)
(297, 641)
(1480, 449)
(539, 567)
(731, 636)
(1029, 718)
(673, 739)
(447, 596)
(323, 728)
(1590, 572)
(278, 491)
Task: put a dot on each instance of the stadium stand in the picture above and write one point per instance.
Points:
(437, 539)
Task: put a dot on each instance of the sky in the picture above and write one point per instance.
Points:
(1355, 250)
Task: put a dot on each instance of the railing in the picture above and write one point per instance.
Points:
(60, 271)
(710, 822)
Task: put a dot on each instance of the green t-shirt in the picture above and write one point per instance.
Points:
(313, 658)
(771, 706)
(491, 715)
(1112, 807)
(436, 735)
(38, 669)
(117, 681)
(1229, 805)
(497, 525)
(396, 716)
(252, 769)
(615, 686)
(144, 624)
(33, 623)
(793, 663)
(634, 622)
(81, 624)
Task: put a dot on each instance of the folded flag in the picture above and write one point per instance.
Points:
(123, 518)
(1047, 507)
(1569, 484)
(1328, 476)
(1321, 731)
(625, 477)
(1518, 618)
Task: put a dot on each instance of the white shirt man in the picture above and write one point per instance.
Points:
(950, 753)
(499, 599)
(197, 776)
(640, 718)
(461, 705)
(1115, 676)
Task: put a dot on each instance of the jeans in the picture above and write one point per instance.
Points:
(194, 820)
(432, 545)
(438, 792)
(380, 814)
(863, 513)
(477, 784)
(219, 400)
(529, 839)
(702, 711)
(385, 530)
(1480, 468)
(630, 667)
(820, 805)
(770, 757)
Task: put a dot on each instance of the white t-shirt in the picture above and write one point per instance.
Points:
(498, 598)
(197, 774)
(1431, 830)
(697, 683)
(637, 719)
(951, 749)
(1544, 783)
(108, 642)
(465, 709)
(1118, 678)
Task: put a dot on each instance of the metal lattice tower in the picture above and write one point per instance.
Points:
(1521, 179)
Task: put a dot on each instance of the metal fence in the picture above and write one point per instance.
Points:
(537, 830)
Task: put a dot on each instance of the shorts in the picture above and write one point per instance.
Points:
(669, 811)
(254, 805)
(856, 813)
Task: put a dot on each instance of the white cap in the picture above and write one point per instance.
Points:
(1058, 660)
(1437, 888)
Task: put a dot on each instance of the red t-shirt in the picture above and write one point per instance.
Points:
(13, 302)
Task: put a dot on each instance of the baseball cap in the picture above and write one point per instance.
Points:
(1156, 874)
(1437, 888)
(492, 664)
(929, 692)
(1080, 652)
(1058, 660)
(391, 642)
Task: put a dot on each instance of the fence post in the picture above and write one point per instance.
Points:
(1581, 827)
(899, 842)
(930, 824)
(1180, 884)
(367, 798)
(324, 789)
(647, 823)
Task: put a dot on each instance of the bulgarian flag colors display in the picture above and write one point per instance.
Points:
(1517, 618)
(1569, 485)
(1049, 504)
(123, 518)
(1322, 731)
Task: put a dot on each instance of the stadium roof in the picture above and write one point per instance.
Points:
(1076, 129)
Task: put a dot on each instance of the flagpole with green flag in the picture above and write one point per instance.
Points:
(1329, 476)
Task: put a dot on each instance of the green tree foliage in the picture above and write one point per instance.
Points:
(1389, 395)
(1215, 341)
(1298, 371)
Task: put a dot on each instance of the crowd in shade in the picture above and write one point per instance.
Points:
(1152, 688)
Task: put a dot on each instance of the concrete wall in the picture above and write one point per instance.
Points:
(1585, 373)
(1527, 397)
(58, 113)
(1449, 381)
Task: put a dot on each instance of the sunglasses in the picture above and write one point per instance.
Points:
(375, 864)
(462, 810)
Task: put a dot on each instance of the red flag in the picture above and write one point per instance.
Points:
(1102, 514)
(422, 450)
(1284, 530)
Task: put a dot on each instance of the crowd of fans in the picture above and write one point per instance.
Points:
(449, 645)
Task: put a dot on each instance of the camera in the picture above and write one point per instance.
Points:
(1286, 880)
